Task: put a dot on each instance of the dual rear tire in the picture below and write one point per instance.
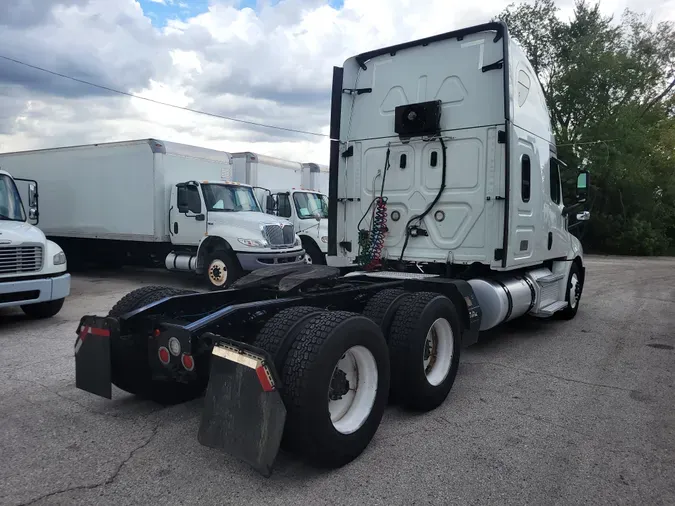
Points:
(335, 375)
(338, 368)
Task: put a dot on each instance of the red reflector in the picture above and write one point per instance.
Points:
(187, 361)
(264, 379)
(164, 355)
(156, 332)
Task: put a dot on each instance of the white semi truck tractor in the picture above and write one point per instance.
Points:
(444, 197)
(295, 191)
(33, 270)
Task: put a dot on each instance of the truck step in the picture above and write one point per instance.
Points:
(552, 308)
(551, 278)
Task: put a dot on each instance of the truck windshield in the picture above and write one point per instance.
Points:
(11, 207)
(229, 198)
(309, 205)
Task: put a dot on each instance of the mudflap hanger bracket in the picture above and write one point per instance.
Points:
(244, 414)
(92, 354)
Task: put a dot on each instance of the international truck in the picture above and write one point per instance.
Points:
(33, 269)
(293, 190)
(152, 202)
(445, 196)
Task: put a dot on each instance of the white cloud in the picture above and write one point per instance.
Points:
(272, 65)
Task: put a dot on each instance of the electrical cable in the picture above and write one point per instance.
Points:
(408, 228)
(166, 104)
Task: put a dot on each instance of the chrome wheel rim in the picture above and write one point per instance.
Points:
(574, 294)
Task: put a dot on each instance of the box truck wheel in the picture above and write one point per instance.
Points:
(313, 255)
(222, 269)
(43, 309)
(336, 384)
(130, 367)
(424, 345)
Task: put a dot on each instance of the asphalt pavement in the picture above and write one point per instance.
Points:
(578, 412)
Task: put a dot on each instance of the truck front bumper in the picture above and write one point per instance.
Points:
(33, 291)
(253, 261)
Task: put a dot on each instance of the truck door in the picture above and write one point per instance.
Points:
(526, 198)
(187, 215)
(557, 238)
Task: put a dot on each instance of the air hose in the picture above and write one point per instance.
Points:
(371, 242)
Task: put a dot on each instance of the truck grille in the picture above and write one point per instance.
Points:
(20, 259)
(278, 236)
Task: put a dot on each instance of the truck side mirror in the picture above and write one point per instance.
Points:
(270, 204)
(582, 186)
(33, 212)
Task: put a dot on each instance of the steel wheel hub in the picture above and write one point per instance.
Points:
(218, 272)
(352, 389)
(438, 351)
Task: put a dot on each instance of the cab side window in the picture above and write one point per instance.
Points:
(554, 178)
(283, 205)
(525, 175)
(189, 200)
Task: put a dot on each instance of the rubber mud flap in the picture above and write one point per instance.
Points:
(243, 414)
(92, 355)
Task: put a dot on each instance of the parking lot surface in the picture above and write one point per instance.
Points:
(579, 412)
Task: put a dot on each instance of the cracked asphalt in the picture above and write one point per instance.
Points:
(579, 412)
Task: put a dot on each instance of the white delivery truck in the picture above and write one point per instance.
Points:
(33, 270)
(292, 190)
(127, 202)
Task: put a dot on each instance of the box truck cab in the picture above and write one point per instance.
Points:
(32, 269)
(219, 228)
(308, 211)
(296, 191)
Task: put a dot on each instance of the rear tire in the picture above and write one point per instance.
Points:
(382, 307)
(424, 345)
(278, 334)
(130, 366)
(43, 310)
(332, 433)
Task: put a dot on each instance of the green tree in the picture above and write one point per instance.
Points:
(609, 86)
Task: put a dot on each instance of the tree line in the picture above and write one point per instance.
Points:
(609, 85)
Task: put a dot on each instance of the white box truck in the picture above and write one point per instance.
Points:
(127, 202)
(292, 190)
(33, 270)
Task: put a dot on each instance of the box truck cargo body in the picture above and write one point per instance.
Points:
(146, 201)
(291, 190)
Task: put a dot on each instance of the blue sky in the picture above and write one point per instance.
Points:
(159, 11)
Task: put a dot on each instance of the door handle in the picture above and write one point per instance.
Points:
(175, 227)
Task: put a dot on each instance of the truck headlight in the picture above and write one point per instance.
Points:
(298, 241)
(60, 258)
(324, 238)
(253, 243)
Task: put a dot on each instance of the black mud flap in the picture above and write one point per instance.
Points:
(244, 414)
(92, 354)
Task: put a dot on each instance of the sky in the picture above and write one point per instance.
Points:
(264, 61)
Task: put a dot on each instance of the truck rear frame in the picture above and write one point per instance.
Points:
(214, 329)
